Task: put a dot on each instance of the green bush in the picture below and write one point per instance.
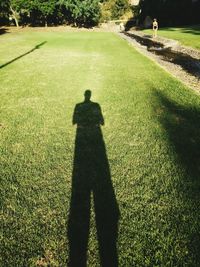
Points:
(119, 8)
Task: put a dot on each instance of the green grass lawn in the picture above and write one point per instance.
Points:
(188, 36)
(149, 194)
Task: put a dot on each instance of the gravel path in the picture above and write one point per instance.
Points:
(175, 70)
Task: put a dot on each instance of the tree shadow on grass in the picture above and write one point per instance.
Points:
(182, 125)
(195, 29)
(25, 54)
(3, 31)
(188, 63)
(91, 175)
(191, 31)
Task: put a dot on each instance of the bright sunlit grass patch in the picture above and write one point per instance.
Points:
(152, 140)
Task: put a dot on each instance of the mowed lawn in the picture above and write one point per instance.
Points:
(188, 35)
(152, 141)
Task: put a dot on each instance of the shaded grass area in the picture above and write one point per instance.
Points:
(23, 55)
(149, 150)
(3, 30)
(188, 36)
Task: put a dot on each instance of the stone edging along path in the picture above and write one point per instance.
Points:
(181, 62)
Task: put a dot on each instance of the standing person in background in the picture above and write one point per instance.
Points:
(121, 26)
(155, 28)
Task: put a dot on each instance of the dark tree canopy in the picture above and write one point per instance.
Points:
(119, 8)
(52, 12)
(83, 12)
(90, 12)
(171, 12)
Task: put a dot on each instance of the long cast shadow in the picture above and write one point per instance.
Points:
(182, 125)
(25, 54)
(91, 175)
(3, 30)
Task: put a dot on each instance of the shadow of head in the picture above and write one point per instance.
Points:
(87, 113)
(87, 95)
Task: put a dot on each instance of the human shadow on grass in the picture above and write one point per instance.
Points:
(182, 125)
(91, 175)
(25, 54)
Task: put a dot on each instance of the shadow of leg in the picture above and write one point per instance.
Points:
(78, 224)
(106, 209)
(106, 215)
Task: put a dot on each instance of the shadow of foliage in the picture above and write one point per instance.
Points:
(189, 29)
(3, 31)
(182, 126)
